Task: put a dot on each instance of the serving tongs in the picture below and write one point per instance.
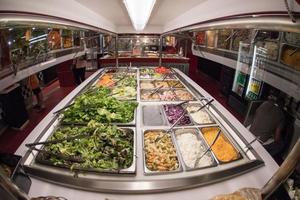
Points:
(164, 78)
(63, 108)
(292, 53)
(181, 116)
(79, 159)
(208, 149)
(182, 103)
(112, 94)
(115, 83)
(249, 147)
(155, 91)
(29, 145)
(175, 85)
(207, 103)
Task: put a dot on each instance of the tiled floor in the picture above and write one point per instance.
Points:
(11, 139)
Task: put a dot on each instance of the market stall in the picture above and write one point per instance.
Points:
(230, 164)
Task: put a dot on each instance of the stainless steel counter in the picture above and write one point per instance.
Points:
(246, 172)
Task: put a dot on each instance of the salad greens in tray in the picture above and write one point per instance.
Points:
(99, 105)
(104, 148)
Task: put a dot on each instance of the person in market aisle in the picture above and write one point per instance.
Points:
(34, 85)
(79, 66)
(268, 124)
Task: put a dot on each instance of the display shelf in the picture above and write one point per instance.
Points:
(139, 182)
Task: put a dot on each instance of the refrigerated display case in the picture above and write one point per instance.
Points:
(224, 39)
(200, 38)
(240, 35)
(151, 173)
(211, 38)
(54, 39)
(67, 38)
(268, 40)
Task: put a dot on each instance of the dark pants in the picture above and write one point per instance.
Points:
(79, 74)
(274, 148)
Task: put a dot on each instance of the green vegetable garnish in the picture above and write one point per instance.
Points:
(100, 107)
(105, 147)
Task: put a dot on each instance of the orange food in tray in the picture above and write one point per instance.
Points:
(106, 80)
(223, 149)
(162, 70)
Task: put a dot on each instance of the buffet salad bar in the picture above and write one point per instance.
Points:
(137, 130)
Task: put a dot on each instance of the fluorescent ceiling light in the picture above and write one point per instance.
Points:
(139, 12)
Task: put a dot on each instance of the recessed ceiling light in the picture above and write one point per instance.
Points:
(139, 12)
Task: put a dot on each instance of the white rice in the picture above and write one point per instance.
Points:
(191, 148)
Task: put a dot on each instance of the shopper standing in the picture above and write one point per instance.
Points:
(34, 84)
(79, 66)
(268, 124)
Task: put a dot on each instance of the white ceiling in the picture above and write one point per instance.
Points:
(115, 11)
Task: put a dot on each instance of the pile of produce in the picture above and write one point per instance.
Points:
(162, 84)
(161, 155)
(106, 80)
(147, 95)
(128, 81)
(119, 75)
(174, 112)
(192, 148)
(104, 147)
(99, 106)
(124, 92)
(175, 84)
(201, 116)
(146, 85)
(223, 148)
(184, 95)
(162, 70)
(147, 73)
(167, 96)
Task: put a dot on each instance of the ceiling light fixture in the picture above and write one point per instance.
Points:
(139, 12)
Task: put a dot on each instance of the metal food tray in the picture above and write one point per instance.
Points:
(213, 122)
(129, 123)
(150, 172)
(158, 79)
(163, 90)
(194, 131)
(229, 140)
(183, 86)
(185, 89)
(85, 123)
(147, 81)
(155, 78)
(166, 86)
(120, 69)
(140, 182)
(167, 90)
(127, 99)
(283, 46)
(130, 170)
(177, 125)
(150, 114)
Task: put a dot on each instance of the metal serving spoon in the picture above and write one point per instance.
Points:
(208, 149)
